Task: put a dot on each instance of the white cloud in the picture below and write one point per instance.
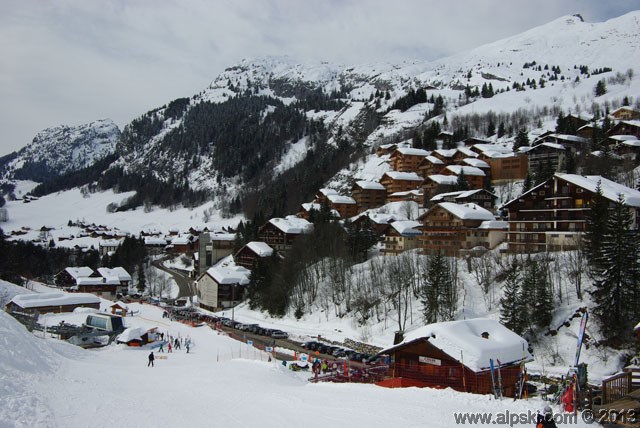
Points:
(72, 61)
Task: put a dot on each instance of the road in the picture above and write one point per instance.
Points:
(182, 280)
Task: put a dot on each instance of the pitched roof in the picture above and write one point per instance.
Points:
(99, 280)
(468, 211)
(476, 163)
(327, 192)
(229, 274)
(460, 194)
(79, 272)
(467, 152)
(408, 176)
(260, 248)
(369, 185)
(495, 148)
(407, 227)
(463, 340)
(412, 152)
(434, 160)
(446, 153)
(292, 224)
(610, 189)
(494, 224)
(449, 180)
(119, 272)
(466, 170)
(339, 199)
(55, 298)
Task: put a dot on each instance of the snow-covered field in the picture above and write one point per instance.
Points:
(48, 383)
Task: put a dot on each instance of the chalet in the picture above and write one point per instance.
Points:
(480, 197)
(475, 176)
(628, 148)
(477, 163)
(463, 153)
(222, 287)
(625, 113)
(378, 222)
(626, 127)
(410, 195)
(279, 233)
(430, 165)
(346, 206)
(407, 159)
(472, 141)
(570, 142)
(183, 244)
(107, 288)
(551, 216)
(155, 244)
(401, 235)
(544, 154)
(450, 228)
(212, 247)
(395, 181)
(457, 355)
(445, 155)
(586, 131)
(57, 301)
(368, 194)
(483, 149)
(108, 247)
(576, 121)
(68, 276)
(438, 183)
(119, 272)
(248, 255)
(322, 196)
(386, 149)
(446, 137)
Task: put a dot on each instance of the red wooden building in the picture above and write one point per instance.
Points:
(456, 355)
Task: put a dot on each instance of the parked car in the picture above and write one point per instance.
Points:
(279, 334)
(309, 345)
(339, 353)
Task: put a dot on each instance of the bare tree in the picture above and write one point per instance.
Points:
(483, 270)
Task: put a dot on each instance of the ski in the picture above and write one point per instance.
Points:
(493, 379)
(499, 380)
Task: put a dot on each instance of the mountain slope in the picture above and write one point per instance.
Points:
(61, 150)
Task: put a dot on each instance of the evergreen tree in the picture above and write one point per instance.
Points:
(510, 305)
(527, 184)
(596, 219)
(601, 88)
(142, 280)
(615, 291)
(462, 183)
(522, 139)
(491, 128)
(542, 305)
(430, 292)
(501, 130)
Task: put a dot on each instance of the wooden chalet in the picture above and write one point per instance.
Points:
(346, 206)
(107, 288)
(410, 195)
(322, 197)
(475, 176)
(457, 355)
(430, 165)
(400, 236)
(222, 287)
(445, 155)
(544, 154)
(451, 229)
(107, 247)
(569, 142)
(118, 272)
(551, 216)
(480, 197)
(385, 149)
(57, 302)
(377, 222)
(68, 276)
(183, 244)
(446, 137)
(438, 183)
(586, 131)
(464, 153)
(395, 181)
(625, 113)
(279, 233)
(249, 255)
(626, 127)
(628, 148)
(368, 194)
(407, 159)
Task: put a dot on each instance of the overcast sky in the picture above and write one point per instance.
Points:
(73, 61)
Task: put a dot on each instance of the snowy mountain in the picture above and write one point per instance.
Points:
(60, 150)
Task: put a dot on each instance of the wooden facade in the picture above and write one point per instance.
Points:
(400, 182)
(430, 165)
(368, 195)
(505, 167)
(407, 159)
(426, 365)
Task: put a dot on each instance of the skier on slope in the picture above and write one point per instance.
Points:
(151, 359)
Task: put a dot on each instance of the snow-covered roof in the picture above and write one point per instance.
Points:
(446, 153)
(55, 298)
(550, 145)
(610, 189)
(110, 243)
(152, 240)
(635, 123)
(449, 180)
(340, 199)
(434, 160)
(119, 272)
(466, 170)
(463, 340)
(132, 333)
(622, 137)
(497, 148)
(566, 137)
(292, 224)
(327, 192)
(476, 163)
(381, 218)
(223, 236)
(468, 211)
(623, 108)
(460, 194)
(407, 176)
(499, 155)
(79, 272)
(467, 152)
(308, 206)
(407, 227)
(181, 240)
(631, 143)
(407, 193)
(229, 274)
(637, 327)
(494, 224)
(111, 280)
(260, 248)
(369, 185)
(412, 152)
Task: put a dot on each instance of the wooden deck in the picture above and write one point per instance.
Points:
(627, 408)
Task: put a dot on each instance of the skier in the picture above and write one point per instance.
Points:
(161, 347)
(187, 344)
(169, 347)
(151, 358)
(546, 419)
